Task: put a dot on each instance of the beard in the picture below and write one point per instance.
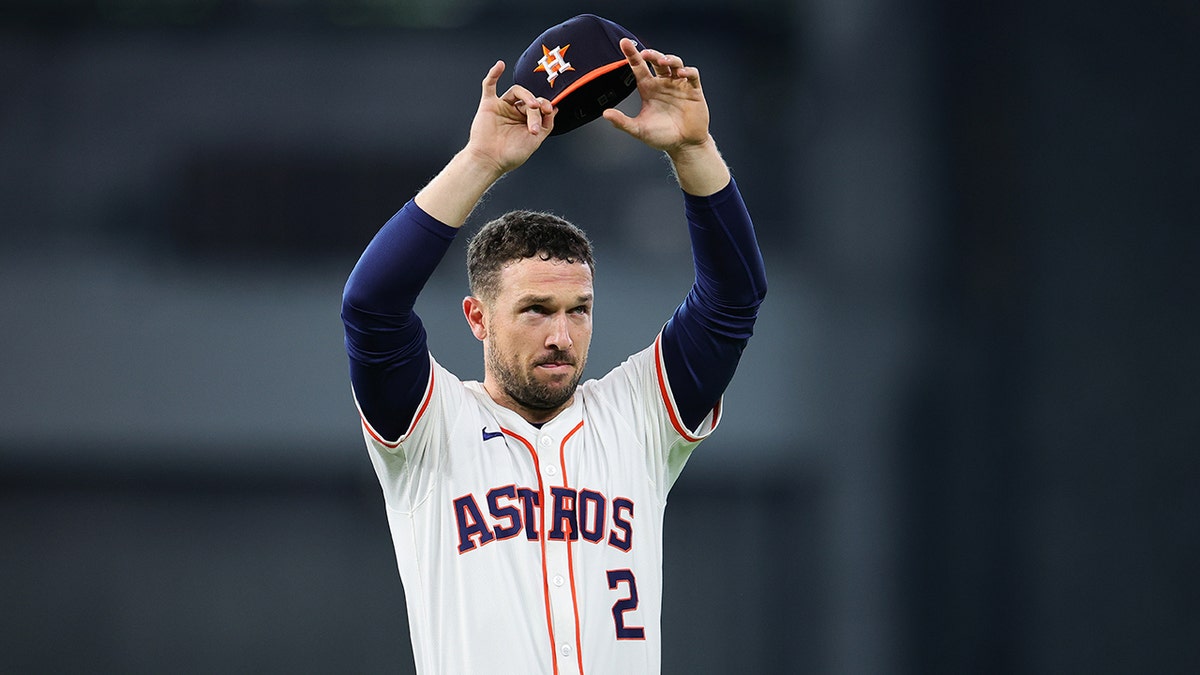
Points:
(521, 385)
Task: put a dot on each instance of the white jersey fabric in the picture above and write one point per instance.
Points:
(536, 550)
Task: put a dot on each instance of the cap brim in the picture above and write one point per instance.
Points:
(602, 70)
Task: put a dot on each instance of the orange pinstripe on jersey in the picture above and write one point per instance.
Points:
(562, 461)
(537, 468)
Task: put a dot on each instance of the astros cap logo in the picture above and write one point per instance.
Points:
(553, 63)
(596, 78)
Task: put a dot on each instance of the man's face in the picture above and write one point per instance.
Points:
(536, 335)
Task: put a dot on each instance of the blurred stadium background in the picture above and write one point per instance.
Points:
(964, 439)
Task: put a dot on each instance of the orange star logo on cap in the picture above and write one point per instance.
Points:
(553, 63)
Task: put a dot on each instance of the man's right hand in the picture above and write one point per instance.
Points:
(506, 131)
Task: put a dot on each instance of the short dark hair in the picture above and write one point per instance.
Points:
(518, 235)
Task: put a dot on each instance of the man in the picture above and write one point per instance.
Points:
(527, 510)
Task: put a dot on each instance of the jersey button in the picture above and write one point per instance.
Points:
(566, 650)
(551, 470)
(545, 441)
(558, 580)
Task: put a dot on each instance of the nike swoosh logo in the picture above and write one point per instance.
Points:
(489, 435)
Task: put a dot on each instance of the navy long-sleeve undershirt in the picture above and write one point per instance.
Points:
(389, 362)
(702, 342)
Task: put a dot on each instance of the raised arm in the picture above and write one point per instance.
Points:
(389, 363)
(703, 341)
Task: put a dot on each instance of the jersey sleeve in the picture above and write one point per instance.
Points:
(703, 342)
(407, 465)
(640, 392)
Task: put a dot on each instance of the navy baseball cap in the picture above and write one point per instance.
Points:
(579, 67)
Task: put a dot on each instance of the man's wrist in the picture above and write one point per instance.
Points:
(452, 195)
(481, 165)
(699, 168)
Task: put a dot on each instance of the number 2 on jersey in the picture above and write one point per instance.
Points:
(626, 604)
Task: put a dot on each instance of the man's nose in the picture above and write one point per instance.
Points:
(560, 334)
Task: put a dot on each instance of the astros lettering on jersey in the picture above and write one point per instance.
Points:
(536, 550)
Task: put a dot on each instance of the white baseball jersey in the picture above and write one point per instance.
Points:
(536, 550)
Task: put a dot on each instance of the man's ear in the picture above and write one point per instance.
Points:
(475, 313)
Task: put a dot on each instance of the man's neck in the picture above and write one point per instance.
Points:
(535, 416)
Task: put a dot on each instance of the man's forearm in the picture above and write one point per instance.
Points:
(700, 169)
(453, 193)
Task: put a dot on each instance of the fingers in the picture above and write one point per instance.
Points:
(671, 66)
(619, 120)
(490, 80)
(653, 63)
(538, 112)
(640, 69)
(537, 115)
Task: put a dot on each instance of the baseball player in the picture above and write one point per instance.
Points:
(527, 510)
